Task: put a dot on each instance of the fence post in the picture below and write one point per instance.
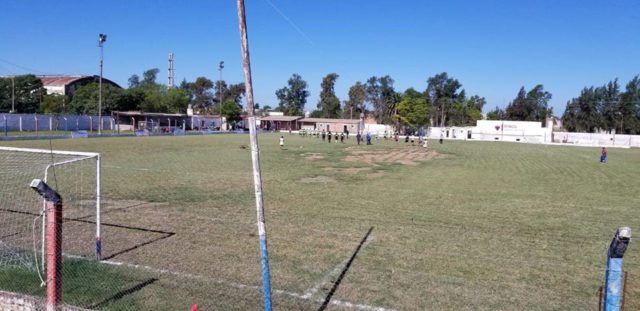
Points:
(36, 118)
(20, 123)
(5, 125)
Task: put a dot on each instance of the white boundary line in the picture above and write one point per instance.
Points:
(305, 296)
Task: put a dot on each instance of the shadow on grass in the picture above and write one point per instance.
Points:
(165, 234)
(121, 294)
(327, 299)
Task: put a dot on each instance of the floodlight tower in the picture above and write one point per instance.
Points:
(220, 67)
(613, 282)
(171, 71)
(102, 38)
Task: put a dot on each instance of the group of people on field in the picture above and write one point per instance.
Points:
(360, 138)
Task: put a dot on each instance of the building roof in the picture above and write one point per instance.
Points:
(280, 118)
(325, 120)
(150, 114)
(62, 80)
(58, 80)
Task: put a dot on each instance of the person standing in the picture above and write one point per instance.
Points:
(281, 142)
(329, 136)
(323, 135)
(441, 135)
(603, 155)
(358, 137)
(342, 138)
(368, 138)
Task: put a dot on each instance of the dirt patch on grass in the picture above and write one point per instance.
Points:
(313, 156)
(409, 156)
(317, 179)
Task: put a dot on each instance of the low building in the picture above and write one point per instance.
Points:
(333, 125)
(67, 85)
(138, 120)
(518, 131)
(497, 130)
(280, 123)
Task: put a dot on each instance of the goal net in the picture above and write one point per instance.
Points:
(75, 176)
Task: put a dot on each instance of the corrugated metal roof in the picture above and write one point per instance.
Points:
(325, 120)
(280, 118)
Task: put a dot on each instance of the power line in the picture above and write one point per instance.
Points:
(286, 18)
(21, 67)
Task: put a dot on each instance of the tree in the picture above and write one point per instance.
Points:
(530, 106)
(264, 110)
(442, 92)
(629, 108)
(496, 114)
(235, 92)
(202, 98)
(293, 98)
(134, 81)
(383, 98)
(413, 110)
(609, 104)
(149, 78)
(85, 99)
(28, 93)
(355, 104)
(176, 100)
(231, 111)
(329, 104)
(465, 112)
(54, 104)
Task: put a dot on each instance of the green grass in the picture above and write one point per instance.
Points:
(487, 226)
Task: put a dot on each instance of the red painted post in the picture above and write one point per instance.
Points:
(194, 308)
(54, 255)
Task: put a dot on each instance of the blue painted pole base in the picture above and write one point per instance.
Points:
(613, 285)
(266, 278)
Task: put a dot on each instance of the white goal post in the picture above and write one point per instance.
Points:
(76, 175)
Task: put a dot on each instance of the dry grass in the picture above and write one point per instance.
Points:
(463, 226)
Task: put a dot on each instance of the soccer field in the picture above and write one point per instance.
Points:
(465, 226)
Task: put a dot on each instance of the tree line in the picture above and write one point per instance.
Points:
(605, 108)
(143, 94)
(442, 102)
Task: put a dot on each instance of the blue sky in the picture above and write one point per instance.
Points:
(492, 47)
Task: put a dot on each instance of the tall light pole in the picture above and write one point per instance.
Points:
(220, 67)
(102, 38)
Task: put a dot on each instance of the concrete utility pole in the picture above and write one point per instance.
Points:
(102, 38)
(255, 157)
